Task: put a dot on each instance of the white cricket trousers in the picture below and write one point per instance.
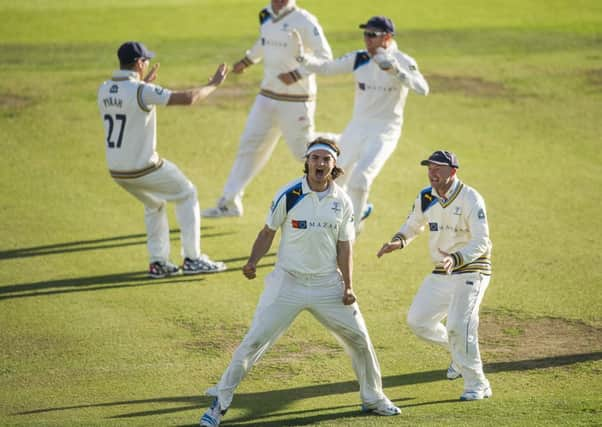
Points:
(167, 184)
(366, 145)
(283, 298)
(267, 121)
(458, 298)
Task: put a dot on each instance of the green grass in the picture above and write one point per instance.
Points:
(86, 339)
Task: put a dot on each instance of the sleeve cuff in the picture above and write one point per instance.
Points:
(246, 61)
(458, 259)
(398, 237)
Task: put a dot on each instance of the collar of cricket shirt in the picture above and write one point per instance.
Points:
(450, 193)
(125, 74)
(332, 187)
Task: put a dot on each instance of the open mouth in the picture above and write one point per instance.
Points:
(320, 173)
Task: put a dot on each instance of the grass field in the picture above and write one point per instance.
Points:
(87, 339)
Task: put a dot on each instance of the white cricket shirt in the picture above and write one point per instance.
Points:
(457, 225)
(129, 117)
(310, 227)
(277, 47)
(378, 95)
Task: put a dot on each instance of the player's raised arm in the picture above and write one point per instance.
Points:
(192, 96)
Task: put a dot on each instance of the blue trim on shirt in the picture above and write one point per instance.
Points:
(427, 200)
(264, 15)
(361, 58)
(298, 187)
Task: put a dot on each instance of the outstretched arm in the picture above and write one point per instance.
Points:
(192, 96)
(260, 248)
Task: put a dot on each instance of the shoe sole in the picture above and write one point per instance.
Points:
(453, 377)
(162, 276)
(193, 273)
(377, 412)
(485, 396)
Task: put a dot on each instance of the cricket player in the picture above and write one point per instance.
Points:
(314, 273)
(383, 77)
(461, 251)
(279, 108)
(127, 109)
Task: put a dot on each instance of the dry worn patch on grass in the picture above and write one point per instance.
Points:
(594, 78)
(469, 86)
(506, 338)
(8, 100)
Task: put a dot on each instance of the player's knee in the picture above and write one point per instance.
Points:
(415, 323)
(359, 182)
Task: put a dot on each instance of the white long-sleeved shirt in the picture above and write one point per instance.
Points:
(457, 224)
(378, 94)
(127, 109)
(278, 49)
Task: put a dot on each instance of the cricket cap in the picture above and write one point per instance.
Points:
(441, 157)
(130, 51)
(381, 23)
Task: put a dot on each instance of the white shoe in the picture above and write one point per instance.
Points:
(385, 408)
(453, 372)
(213, 416)
(224, 208)
(478, 394)
(202, 265)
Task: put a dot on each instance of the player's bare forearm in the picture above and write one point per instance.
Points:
(345, 264)
(389, 247)
(192, 96)
(261, 246)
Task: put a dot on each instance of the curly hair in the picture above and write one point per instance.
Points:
(336, 171)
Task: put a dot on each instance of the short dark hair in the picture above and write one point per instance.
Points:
(336, 171)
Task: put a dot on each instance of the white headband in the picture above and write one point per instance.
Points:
(324, 147)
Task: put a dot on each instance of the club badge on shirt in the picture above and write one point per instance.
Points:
(299, 224)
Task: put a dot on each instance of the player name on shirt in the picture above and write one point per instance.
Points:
(112, 102)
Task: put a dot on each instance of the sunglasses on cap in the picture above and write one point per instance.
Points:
(373, 34)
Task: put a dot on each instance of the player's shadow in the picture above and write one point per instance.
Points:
(108, 281)
(95, 244)
(267, 408)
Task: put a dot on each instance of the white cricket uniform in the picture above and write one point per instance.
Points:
(279, 109)
(127, 109)
(306, 277)
(372, 134)
(458, 226)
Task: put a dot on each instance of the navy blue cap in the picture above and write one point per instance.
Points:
(381, 23)
(130, 51)
(440, 157)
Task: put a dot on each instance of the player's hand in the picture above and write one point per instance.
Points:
(249, 270)
(239, 67)
(448, 262)
(348, 296)
(219, 76)
(389, 247)
(152, 74)
(286, 78)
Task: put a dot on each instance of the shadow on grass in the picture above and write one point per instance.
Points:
(266, 408)
(94, 244)
(104, 282)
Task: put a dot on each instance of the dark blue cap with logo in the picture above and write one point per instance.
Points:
(381, 23)
(441, 157)
(130, 51)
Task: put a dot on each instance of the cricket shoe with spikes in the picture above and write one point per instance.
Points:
(385, 408)
(224, 208)
(213, 416)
